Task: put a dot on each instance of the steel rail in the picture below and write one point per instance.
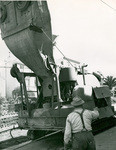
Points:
(38, 139)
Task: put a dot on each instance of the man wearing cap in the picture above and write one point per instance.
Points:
(78, 127)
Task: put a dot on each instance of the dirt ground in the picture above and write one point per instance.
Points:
(104, 141)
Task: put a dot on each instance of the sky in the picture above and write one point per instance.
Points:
(86, 32)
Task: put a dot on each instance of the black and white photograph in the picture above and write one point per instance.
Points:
(57, 75)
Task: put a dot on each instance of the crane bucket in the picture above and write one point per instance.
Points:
(26, 30)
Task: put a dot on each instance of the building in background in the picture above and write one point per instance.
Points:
(7, 82)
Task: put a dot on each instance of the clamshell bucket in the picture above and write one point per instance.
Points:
(26, 30)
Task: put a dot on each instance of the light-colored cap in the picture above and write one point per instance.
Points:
(77, 101)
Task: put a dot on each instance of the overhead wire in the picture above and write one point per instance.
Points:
(52, 41)
(57, 47)
(108, 5)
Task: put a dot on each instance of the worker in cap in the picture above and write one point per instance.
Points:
(78, 131)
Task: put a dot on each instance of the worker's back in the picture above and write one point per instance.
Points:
(78, 127)
(76, 122)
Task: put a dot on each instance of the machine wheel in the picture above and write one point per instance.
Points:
(31, 134)
(34, 134)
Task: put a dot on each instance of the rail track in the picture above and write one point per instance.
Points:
(50, 141)
(20, 142)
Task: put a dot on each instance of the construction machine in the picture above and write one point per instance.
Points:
(26, 30)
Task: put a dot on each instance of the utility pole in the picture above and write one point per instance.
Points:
(5, 67)
(6, 79)
(5, 76)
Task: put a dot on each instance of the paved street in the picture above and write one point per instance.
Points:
(104, 141)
